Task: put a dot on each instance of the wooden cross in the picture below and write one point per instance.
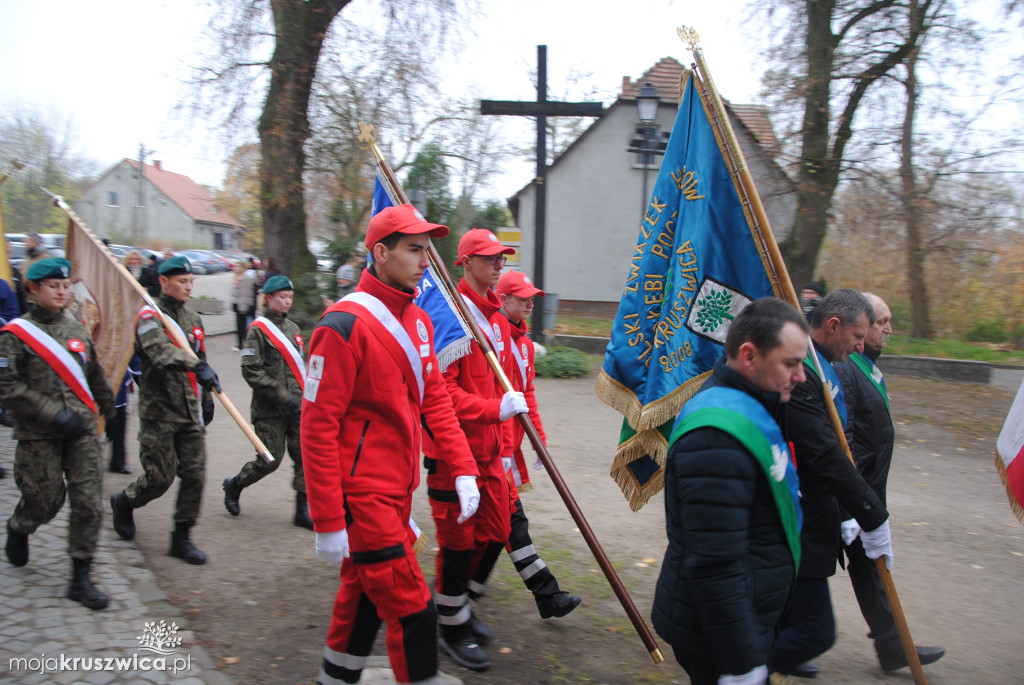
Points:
(542, 109)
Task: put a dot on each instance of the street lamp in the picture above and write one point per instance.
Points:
(647, 113)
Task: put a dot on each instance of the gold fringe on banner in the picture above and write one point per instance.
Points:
(648, 443)
(525, 487)
(421, 543)
(644, 417)
(1015, 506)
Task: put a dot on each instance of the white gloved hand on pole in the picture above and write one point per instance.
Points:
(506, 464)
(850, 530)
(469, 496)
(756, 676)
(878, 543)
(332, 547)
(513, 402)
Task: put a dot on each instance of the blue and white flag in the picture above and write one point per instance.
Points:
(452, 337)
(697, 262)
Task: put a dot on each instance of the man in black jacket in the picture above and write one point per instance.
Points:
(869, 431)
(828, 481)
(731, 505)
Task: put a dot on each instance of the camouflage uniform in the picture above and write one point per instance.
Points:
(272, 383)
(35, 393)
(171, 432)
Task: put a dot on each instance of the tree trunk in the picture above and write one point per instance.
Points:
(300, 28)
(920, 317)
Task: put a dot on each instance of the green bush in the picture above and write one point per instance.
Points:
(990, 330)
(562, 362)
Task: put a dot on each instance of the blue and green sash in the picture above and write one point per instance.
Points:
(873, 373)
(744, 418)
(832, 379)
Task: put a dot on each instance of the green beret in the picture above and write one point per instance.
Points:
(175, 266)
(54, 267)
(275, 283)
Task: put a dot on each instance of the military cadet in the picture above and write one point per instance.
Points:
(515, 292)
(52, 383)
(273, 364)
(173, 411)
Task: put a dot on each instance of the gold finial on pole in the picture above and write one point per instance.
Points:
(15, 166)
(689, 35)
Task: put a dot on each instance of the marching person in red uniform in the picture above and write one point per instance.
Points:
(468, 553)
(372, 378)
(516, 292)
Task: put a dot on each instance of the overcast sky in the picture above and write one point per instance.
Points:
(116, 66)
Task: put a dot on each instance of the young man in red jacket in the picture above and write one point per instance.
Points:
(372, 378)
(468, 552)
(516, 292)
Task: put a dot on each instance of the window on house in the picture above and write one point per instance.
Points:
(140, 199)
(112, 199)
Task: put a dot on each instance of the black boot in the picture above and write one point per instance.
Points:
(182, 547)
(480, 630)
(124, 519)
(16, 547)
(302, 519)
(458, 643)
(232, 491)
(82, 590)
(557, 605)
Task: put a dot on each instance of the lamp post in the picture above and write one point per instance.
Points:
(647, 113)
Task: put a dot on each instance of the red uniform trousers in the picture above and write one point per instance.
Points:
(381, 581)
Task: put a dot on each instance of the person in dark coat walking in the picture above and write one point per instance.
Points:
(731, 505)
(828, 481)
(869, 431)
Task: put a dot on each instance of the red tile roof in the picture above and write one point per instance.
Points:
(665, 76)
(187, 194)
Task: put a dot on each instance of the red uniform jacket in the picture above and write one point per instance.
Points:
(514, 431)
(361, 425)
(475, 390)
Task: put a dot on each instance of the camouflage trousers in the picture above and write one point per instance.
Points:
(40, 470)
(167, 450)
(277, 433)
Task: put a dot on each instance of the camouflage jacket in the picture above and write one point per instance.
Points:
(165, 392)
(34, 392)
(266, 371)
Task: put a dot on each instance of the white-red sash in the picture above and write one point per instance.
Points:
(520, 362)
(191, 376)
(385, 318)
(292, 356)
(59, 359)
(484, 325)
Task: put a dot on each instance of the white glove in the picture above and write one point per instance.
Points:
(850, 529)
(415, 529)
(469, 496)
(757, 676)
(878, 543)
(506, 464)
(332, 547)
(513, 402)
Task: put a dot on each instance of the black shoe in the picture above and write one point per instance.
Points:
(3, 472)
(804, 670)
(82, 590)
(232, 491)
(483, 634)
(16, 547)
(182, 547)
(301, 518)
(896, 660)
(121, 469)
(124, 519)
(6, 420)
(557, 605)
(458, 643)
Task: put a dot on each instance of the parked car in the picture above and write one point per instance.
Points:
(202, 263)
(16, 254)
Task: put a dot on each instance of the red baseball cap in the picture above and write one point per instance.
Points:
(400, 219)
(517, 283)
(482, 242)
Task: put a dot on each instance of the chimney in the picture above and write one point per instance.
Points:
(625, 84)
(156, 164)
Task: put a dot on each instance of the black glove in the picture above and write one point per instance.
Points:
(68, 424)
(207, 377)
(207, 411)
(292, 404)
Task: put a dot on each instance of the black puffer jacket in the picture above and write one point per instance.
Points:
(727, 571)
(869, 427)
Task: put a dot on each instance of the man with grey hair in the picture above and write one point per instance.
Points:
(828, 481)
(869, 431)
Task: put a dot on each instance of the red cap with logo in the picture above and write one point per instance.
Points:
(482, 242)
(400, 219)
(517, 283)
